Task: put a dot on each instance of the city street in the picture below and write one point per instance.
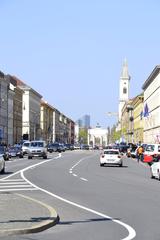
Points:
(93, 202)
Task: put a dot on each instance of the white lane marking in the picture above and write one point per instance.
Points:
(29, 167)
(131, 231)
(17, 189)
(84, 179)
(12, 180)
(71, 169)
(17, 186)
(75, 175)
(12, 183)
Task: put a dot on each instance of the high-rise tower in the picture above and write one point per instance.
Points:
(124, 88)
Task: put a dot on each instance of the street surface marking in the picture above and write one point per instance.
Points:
(75, 175)
(9, 185)
(84, 179)
(131, 231)
(71, 169)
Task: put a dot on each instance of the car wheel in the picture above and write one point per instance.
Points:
(121, 165)
(101, 164)
(3, 170)
(29, 157)
(158, 175)
(44, 157)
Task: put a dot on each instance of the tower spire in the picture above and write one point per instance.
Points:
(124, 73)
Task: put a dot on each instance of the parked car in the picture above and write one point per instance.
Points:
(155, 169)
(2, 164)
(54, 147)
(4, 152)
(25, 147)
(85, 147)
(69, 146)
(111, 157)
(15, 152)
(151, 152)
(37, 149)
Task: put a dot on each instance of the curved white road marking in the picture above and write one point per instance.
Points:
(131, 231)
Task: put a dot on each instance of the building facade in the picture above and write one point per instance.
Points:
(84, 121)
(46, 121)
(4, 84)
(138, 118)
(31, 106)
(151, 111)
(97, 136)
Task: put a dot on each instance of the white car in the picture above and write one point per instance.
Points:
(2, 164)
(111, 157)
(37, 149)
(25, 147)
(155, 170)
(152, 149)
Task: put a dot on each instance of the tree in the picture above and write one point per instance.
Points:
(83, 135)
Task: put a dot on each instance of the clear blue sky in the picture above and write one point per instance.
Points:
(72, 51)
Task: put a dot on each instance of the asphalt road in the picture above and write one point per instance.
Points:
(93, 202)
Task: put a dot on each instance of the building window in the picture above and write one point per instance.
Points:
(124, 90)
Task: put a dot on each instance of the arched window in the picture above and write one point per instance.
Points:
(124, 90)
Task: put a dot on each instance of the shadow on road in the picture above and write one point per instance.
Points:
(87, 220)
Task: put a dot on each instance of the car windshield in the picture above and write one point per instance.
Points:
(36, 144)
(150, 148)
(26, 144)
(111, 152)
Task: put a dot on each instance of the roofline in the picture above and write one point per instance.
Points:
(151, 77)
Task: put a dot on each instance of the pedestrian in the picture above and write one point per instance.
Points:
(140, 152)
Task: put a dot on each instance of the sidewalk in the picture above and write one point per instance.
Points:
(20, 214)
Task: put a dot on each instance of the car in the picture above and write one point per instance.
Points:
(4, 152)
(37, 149)
(155, 169)
(69, 146)
(15, 152)
(2, 164)
(85, 147)
(25, 147)
(111, 157)
(54, 147)
(151, 152)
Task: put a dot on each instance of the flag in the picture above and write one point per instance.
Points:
(146, 110)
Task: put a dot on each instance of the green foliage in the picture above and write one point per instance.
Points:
(83, 135)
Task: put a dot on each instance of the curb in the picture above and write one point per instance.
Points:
(45, 224)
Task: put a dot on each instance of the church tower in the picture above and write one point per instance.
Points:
(124, 88)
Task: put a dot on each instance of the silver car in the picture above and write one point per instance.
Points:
(37, 149)
(2, 164)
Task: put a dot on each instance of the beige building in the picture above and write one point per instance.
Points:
(151, 110)
(127, 127)
(17, 111)
(138, 118)
(46, 121)
(31, 107)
